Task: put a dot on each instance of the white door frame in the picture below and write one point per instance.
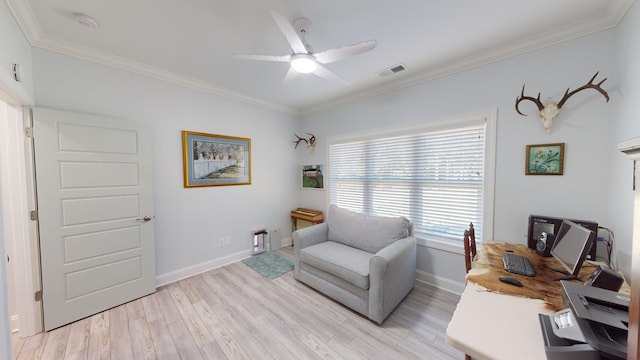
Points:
(23, 233)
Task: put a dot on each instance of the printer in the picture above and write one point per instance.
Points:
(593, 326)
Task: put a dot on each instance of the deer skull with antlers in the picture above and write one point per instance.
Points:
(311, 142)
(549, 111)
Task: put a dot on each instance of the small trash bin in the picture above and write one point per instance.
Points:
(259, 241)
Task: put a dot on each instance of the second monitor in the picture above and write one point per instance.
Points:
(571, 246)
(550, 225)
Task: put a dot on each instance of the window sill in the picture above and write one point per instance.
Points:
(442, 244)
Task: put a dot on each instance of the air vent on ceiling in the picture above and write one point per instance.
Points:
(392, 70)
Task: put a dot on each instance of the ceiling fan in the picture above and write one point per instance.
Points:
(303, 60)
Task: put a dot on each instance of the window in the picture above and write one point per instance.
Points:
(435, 176)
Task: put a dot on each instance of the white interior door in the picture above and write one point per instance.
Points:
(95, 207)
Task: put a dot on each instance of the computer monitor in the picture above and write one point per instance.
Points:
(571, 246)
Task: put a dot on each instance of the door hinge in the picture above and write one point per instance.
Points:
(33, 215)
(38, 296)
(28, 132)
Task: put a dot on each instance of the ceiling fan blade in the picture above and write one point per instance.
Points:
(291, 74)
(324, 73)
(278, 58)
(336, 54)
(290, 33)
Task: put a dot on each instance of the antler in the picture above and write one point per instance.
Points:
(298, 142)
(589, 85)
(312, 139)
(534, 100)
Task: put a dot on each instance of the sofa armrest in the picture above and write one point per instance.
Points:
(392, 275)
(310, 235)
(304, 238)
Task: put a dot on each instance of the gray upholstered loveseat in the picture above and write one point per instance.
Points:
(367, 263)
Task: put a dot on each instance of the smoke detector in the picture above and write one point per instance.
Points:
(85, 20)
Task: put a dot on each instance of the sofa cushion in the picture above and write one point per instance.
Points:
(342, 261)
(365, 232)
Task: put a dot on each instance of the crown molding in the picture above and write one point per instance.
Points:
(25, 17)
(92, 55)
(615, 14)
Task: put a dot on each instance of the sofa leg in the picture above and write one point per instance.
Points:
(467, 357)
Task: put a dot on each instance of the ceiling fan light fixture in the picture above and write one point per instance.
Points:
(303, 63)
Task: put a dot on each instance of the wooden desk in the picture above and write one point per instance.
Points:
(487, 325)
(490, 325)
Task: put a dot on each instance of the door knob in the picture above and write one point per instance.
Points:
(144, 219)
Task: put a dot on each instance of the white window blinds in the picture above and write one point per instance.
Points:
(433, 177)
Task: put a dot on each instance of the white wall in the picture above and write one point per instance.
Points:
(189, 222)
(15, 49)
(584, 125)
(5, 332)
(626, 126)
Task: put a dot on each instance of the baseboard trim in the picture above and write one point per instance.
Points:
(177, 275)
(440, 282)
(286, 242)
(171, 277)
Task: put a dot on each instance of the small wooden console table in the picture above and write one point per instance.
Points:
(308, 215)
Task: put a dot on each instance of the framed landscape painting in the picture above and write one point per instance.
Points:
(545, 159)
(313, 177)
(214, 160)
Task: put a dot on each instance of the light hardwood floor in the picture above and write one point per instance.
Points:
(235, 313)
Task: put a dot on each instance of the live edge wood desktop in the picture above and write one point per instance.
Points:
(492, 325)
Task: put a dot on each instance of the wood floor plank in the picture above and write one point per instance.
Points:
(230, 346)
(190, 291)
(195, 325)
(345, 349)
(320, 347)
(374, 346)
(141, 341)
(78, 345)
(233, 312)
(261, 343)
(135, 310)
(163, 344)
(16, 343)
(205, 290)
(182, 339)
(119, 333)
(31, 347)
(151, 308)
(100, 339)
(56, 344)
(290, 339)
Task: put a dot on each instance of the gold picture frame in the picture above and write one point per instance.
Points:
(545, 159)
(215, 160)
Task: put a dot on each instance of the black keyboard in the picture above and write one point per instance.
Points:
(518, 264)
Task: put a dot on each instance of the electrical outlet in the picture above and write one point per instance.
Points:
(224, 241)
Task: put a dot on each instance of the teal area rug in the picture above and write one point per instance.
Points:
(269, 264)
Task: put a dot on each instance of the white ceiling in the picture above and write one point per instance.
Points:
(191, 42)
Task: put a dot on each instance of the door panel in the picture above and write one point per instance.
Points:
(78, 175)
(94, 189)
